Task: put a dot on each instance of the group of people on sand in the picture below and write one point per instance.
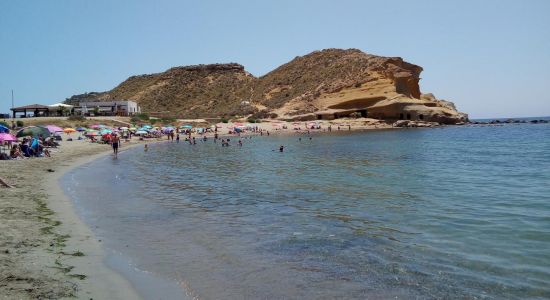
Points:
(29, 147)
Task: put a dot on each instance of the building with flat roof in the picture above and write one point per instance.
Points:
(111, 108)
(37, 110)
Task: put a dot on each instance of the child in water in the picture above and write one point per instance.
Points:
(145, 148)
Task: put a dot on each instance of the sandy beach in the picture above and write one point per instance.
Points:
(45, 249)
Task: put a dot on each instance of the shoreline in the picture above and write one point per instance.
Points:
(101, 282)
(47, 251)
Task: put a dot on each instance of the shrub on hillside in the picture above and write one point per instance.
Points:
(19, 123)
(76, 118)
(168, 120)
(355, 115)
(225, 120)
(263, 114)
(143, 116)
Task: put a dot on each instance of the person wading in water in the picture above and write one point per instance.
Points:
(115, 140)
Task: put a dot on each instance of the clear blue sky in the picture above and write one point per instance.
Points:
(492, 58)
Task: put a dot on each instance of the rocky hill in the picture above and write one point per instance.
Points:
(325, 84)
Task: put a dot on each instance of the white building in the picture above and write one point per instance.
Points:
(112, 108)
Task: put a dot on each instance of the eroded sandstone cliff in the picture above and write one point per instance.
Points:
(325, 84)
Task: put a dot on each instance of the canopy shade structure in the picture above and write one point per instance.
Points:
(36, 109)
(58, 105)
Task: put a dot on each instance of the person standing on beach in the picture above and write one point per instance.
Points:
(114, 143)
(177, 138)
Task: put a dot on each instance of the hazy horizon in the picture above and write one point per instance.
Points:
(491, 59)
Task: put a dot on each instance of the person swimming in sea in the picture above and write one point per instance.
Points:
(282, 148)
(145, 148)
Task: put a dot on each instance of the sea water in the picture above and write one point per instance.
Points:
(453, 212)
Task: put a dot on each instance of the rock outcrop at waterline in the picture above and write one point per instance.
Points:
(325, 84)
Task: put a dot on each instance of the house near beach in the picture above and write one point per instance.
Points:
(110, 108)
(88, 108)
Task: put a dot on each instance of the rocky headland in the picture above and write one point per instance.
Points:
(322, 85)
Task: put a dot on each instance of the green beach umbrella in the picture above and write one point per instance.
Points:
(34, 131)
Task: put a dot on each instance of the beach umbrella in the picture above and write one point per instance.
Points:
(34, 131)
(132, 128)
(95, 126)
(187, 126)
(91, 133)
(139, 132)
(81, 129)
(6, 137)
(69, 130)
(4, 129)
(147, 126)
(123, 128)
(54, 128)
(105, 131)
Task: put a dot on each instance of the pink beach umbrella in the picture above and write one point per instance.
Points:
(54, 129)
(6, 137)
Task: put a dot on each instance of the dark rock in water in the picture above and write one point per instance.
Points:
(534, 121)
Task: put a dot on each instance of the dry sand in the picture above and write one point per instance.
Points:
(46, 251)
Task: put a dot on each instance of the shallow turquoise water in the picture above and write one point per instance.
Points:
(457, 212)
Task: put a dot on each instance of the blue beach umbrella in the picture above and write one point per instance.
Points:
(187, 126)
(81, 129)
(4, 129)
